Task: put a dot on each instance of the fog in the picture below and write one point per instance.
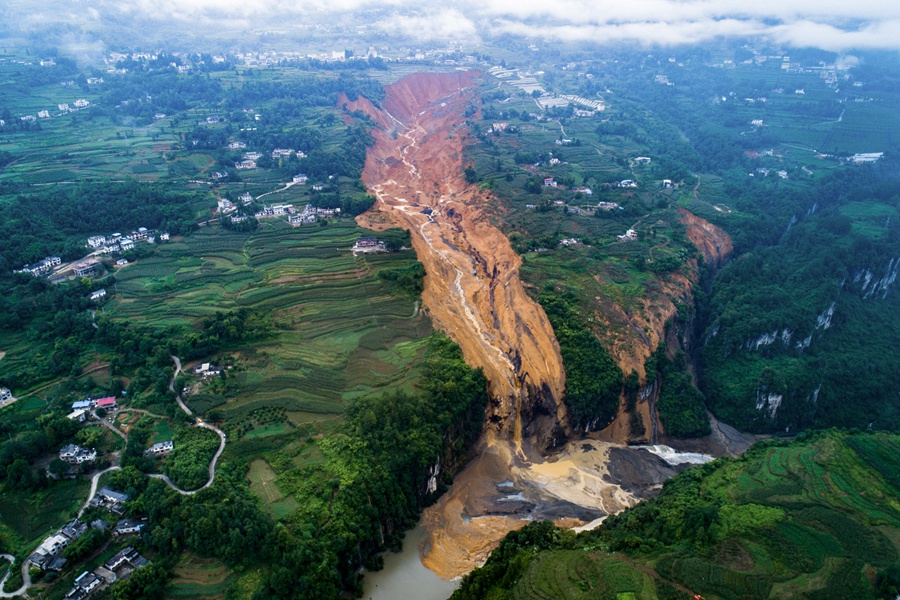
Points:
(826, 24)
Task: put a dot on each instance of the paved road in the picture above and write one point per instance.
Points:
(94, 481)
(199, 423)
(26, 578)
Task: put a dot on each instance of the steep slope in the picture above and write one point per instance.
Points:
(472, 290)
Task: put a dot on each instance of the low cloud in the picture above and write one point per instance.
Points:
(441, 24)
(830, 24)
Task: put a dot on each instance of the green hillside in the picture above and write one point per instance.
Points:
(813, 518)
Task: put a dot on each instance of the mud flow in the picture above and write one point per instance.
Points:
(473, 293)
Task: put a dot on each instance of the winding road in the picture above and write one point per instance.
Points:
(26, 578)
(95, 479)
(199, 422)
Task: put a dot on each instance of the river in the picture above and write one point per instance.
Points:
(404, 575)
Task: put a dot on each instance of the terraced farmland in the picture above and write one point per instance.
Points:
(340, 332)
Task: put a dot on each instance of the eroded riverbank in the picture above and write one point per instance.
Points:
(474, 294)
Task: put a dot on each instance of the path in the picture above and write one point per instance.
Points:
(26, 578)
(94, 482)
(286, 186)
(94, 369)
(199, 423)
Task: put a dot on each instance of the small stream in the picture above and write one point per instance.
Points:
(404, 575)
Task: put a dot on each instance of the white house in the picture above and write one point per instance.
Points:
(161, 448)
(79, 415)
(5, 394)
(98, 294)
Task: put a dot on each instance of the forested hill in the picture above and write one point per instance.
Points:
(813, 518)
(801, 332)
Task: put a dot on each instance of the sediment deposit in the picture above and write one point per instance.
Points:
(472, 289)
(473, 293)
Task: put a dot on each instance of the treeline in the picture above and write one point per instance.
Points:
(359, 503)
(57, 221)
(306, 92)
(407, 280)
(593, 380)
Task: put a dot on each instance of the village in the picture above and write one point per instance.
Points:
(104, 516)
(112, 245)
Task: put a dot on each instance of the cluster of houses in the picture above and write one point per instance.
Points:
(286, 153)
(120, 566)
(117, 243)
(42, 267)
(63, 107)
(628, 236)
(76, 455)
(225, 206)
(276, 210)
(311, 214)
(92, 402)
(160, 448)
(110, 500)
(47, 556)
(368, 245)
(248, 160)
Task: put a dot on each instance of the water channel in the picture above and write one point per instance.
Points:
(404, 576)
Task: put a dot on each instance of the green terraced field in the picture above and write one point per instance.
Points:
(340, 332)
(810, 519)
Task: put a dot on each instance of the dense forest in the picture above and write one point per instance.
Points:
(593, 380)
(800, 333)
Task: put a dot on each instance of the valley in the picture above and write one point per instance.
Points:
(546, 319)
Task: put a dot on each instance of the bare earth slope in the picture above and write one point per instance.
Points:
(472, 288)
(473, 293)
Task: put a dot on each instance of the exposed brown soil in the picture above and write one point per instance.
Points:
(472, 289)
(473, 293)
(632, 336)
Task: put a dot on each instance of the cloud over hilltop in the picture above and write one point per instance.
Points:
(828, 24)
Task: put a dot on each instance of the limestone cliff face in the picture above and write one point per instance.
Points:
(472, 287)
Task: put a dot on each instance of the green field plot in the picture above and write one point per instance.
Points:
(577, 574)
(199, 577)
(339, 331)
(31, 515)
(262, 483)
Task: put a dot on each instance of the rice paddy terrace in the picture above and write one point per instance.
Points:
(340, 331)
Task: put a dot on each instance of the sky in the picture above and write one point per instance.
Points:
(828, 24)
